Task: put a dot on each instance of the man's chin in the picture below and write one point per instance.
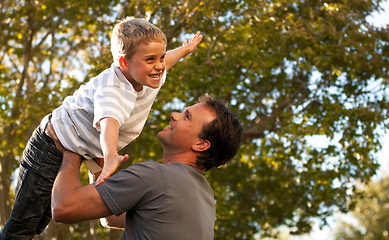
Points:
(159, 135)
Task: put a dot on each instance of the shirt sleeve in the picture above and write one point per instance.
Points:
(132, 187)
(115, 102)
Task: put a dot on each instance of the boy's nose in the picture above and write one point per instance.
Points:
(160, 65)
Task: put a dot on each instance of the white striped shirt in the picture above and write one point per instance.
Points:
(109, 94)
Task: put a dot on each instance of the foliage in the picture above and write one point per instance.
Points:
(43, 50)
(294, 72)
(371, 213)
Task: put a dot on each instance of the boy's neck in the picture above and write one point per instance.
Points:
(138, 87)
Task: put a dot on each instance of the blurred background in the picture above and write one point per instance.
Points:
(308, 79)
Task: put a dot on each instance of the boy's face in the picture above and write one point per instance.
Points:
(146, 66)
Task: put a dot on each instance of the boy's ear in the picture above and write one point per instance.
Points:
(123, 62)
(201, 146)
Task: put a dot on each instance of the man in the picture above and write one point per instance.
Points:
(172, 200)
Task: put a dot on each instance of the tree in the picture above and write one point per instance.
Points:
(292, 70)
(43, 43)
(371, 213)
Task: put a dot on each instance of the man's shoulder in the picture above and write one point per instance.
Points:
(151, 170)
(146, 169)
(149, 163)
(175, 170)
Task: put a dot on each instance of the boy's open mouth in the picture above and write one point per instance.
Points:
(154, 76)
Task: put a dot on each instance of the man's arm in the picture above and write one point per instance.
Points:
(72, 202)
(173, 56)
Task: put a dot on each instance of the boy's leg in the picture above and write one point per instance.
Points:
(38, 168)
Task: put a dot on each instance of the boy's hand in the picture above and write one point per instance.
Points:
(173, 56)
(110, 166)
(192, 43)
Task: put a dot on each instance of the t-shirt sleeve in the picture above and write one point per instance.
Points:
(132, 187)
(111, 101)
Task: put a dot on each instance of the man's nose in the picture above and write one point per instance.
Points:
(174, 116)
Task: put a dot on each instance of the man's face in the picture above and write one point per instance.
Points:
(146, 66)
(184, 128)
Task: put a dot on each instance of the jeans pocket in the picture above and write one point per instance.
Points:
(32, 155)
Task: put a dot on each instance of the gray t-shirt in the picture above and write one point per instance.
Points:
(163, 201)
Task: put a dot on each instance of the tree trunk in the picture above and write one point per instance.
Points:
(5, 183)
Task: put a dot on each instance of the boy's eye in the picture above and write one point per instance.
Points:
(150, 59)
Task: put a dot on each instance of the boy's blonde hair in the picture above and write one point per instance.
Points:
(129, 33)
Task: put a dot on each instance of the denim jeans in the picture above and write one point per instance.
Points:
(39, 166)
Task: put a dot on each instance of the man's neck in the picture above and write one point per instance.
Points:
(182, 158)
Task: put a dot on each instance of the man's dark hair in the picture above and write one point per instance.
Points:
(224, 133)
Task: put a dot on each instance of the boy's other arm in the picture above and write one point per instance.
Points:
(109, 138)
(72, 202)
(173, 56)
(116, 222)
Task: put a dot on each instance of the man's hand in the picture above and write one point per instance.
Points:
(50, 131)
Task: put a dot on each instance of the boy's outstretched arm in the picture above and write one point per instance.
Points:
(173, 56)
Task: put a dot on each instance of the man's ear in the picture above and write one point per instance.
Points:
(201, 146)
(123, 62)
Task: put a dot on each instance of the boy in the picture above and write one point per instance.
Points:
(98, 120)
